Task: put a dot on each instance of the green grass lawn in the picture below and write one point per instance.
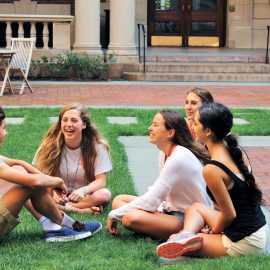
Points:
(24, 247)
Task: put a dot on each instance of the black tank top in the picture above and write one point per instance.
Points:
(249, 216)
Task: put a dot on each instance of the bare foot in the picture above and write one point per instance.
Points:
(68, 207)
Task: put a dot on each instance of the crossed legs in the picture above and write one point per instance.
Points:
(157, 225)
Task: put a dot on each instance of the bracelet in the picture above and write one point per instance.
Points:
(85, 191)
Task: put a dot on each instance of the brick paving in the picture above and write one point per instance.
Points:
(135, 95)
(139, 95)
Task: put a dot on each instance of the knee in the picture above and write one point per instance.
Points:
(131, 218)
(19, 168)
(117, 201)
(104, 195)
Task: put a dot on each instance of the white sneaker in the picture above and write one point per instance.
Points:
(180, 244)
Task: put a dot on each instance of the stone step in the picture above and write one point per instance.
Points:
(196, 77)
(199, 67)
(207, 58)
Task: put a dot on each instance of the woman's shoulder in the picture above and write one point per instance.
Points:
(184, 152)
(101, 148)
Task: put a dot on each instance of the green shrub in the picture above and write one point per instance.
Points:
(70, 66)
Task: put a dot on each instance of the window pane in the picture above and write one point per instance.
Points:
(204, 5)
(166, 5)
(162, 28)
(203, 28)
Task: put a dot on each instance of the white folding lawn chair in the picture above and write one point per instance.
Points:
(21, 60)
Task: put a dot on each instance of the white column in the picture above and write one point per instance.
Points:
(87, 26)
(33, 32)
(45, 36)
(8, 34)
(20, 30)
(122, 28)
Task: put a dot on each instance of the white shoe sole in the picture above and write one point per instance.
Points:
(69, 238)
(97, 230)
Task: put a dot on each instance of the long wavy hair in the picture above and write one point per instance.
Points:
(219, 120)
(183, 137)
(49, 153)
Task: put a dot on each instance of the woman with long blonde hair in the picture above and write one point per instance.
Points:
(74, 150)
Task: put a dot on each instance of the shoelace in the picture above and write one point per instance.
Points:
(78, 226)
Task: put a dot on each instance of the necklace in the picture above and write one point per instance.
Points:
(170, 151)
(70, 187)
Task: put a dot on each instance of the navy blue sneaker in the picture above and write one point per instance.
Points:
(65, 235)
(92, 226)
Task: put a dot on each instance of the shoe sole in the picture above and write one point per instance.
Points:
(177, 260)
(171, 250)
(98, 229)
(69, 237)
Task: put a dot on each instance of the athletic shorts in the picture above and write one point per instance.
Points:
(7, 221)
(255, 243)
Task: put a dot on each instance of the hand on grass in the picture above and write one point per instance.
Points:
(112, 226)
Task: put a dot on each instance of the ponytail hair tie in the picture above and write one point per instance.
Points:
(228, 134)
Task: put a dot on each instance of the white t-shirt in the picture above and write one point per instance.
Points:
(71, 166)
(179, 185)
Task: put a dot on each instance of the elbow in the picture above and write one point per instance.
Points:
(232, 216)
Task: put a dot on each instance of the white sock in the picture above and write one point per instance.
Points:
(48, 225)
(67, 221)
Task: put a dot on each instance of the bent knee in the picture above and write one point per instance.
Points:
(104, 195)
(131, 218)
(19, 168)
(117, 201)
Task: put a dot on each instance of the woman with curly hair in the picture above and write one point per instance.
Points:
(74, 150)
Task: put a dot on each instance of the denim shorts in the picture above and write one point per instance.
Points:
(178, 214)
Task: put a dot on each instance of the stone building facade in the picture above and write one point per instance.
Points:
(92, 25)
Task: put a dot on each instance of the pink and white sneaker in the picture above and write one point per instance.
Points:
(180, 244)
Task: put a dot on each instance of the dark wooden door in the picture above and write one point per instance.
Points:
(186, 23)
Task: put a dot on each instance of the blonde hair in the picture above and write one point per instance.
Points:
(49, 153)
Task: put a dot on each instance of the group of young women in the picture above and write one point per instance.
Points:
(205, 199)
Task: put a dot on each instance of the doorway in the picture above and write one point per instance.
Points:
(186, 23)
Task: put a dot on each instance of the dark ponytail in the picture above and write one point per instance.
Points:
(237, 155)
(219, 119)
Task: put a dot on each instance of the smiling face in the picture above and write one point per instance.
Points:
(158, 132)
(193, 103)
(71, 127)
(3, 131)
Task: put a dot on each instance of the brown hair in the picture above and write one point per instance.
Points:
(183, 137)
(203, 94)
(49, 154)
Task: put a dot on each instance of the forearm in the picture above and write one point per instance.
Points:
(29, 168)
(94, 186)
